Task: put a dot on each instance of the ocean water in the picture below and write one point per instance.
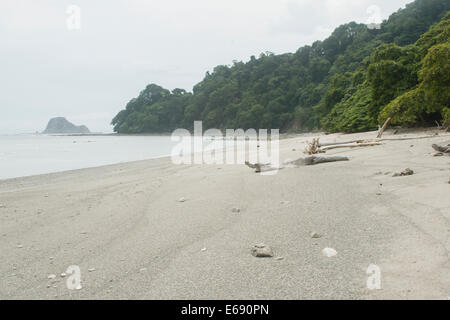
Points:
(25, 155)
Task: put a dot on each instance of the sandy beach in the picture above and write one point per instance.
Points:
(132, 238)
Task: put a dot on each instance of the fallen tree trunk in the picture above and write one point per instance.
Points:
(307, 161)
(350, 146)
(347, 142)
(312, 160)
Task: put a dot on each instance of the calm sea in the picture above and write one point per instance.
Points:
(25, 155)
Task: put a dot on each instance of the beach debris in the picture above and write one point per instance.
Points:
(182, 199)
(260, 167)
(262, 251)
(51, 276)
(307, 161)
(329, 252)
(438, 154)
(380, 132)
(315, 235)
(91, 269)
(313, 147)
(406, 172)
(443, 149)
(235, 210)
(312, 160)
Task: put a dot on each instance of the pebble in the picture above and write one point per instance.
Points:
(406, 172)
(182, 199)
(63, 275)
(203, 249)
(329, 252)
(261, 251)
(236, 210)
(315, 235)
(279, 258)
(19, 246)
(51, 276)
(91, 269)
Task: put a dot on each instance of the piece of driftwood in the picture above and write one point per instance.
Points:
(350, 146)
(260, 167)
(325, 144)
(312, 160)
(380, 133)
(444, 149)
(313, 147)
(307, 161)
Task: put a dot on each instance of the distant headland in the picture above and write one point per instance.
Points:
(62, 125)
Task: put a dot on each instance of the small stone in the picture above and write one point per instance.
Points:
(406, 172)
(236, 210)
(91, 269)
(51, 276)
(378, 193)
(182, 199)
(63, 275)
(19, 246)
(262, 251)
(203, 249)
(315, 235)
(48, 286)
(279, 258)
(329, 252)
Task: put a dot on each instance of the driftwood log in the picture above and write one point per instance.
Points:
(312, 160)
(348, 142)
(307, 161)
(350, 145)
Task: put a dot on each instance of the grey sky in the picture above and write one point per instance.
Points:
(88, 75)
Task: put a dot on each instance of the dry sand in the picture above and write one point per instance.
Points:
(125, 221)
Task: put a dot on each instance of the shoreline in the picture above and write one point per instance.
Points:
(125, 221)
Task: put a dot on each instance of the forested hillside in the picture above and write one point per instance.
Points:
(349, 82)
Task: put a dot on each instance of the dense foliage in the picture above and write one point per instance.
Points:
(349, 82)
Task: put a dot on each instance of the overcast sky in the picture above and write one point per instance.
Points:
(88, 74)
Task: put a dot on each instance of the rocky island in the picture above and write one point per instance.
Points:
(62, 125)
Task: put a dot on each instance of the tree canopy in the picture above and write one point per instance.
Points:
(349, 82)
